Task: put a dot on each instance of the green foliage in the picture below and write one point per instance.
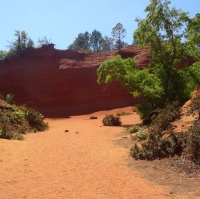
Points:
(140, 83)
(166, 116)
(44, 41)
(12, 124)
(81, 43)
(192, 136)
(173, 38)
(133, 129)
(22, 42)
(144, 109)
(157, 145)
(118, 33)
(192, 149)
(193, 36)
(195, 106)
(107, 44)
(2, 55)
(140, 135)
(111, 120)
(96, 41)
(123, 113)
(10, 97)
(165, 29)
(18, 120)
(192, 76)
(35, 120)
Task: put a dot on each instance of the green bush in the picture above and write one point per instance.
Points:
(123, 113)
(12, 124)
(156, 144)
(111, 120)
(140, 135)
(18, 120)
(166, 116)
(35, 120)
(192, 149)
(195, 106)
(144, 109)
(133, 129)
(157, 147)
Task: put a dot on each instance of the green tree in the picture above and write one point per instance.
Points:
(165, 29)
(22, 42)
(164, 80)
(140, 83)
(81, 43)
(107, 44)
(44, 41)
(3, 55)
(96, 40)
(193, 36)
(118, 33)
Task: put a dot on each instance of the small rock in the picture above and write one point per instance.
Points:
(77, 132)
(66, 130)
(93, 117)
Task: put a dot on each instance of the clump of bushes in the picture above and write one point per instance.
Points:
(137, 133)
(18, 120)
(162, 142)
(192, 147)
(111, 120)
(123, 113)
(156, 144)
(192, 136)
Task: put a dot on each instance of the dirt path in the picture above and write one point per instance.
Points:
(83, 163)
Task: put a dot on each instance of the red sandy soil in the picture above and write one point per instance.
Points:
(77, 158)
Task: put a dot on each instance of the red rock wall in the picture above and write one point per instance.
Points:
(62, 82)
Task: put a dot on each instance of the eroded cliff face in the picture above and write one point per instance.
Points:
(61, 83)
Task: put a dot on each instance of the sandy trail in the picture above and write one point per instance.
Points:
(83, 163)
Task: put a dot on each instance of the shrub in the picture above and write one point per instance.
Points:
(12, 124)
(143, 109)
(157, 147)
(192, 149)
(123, 113)
(35, 120)
(111, 120)
(193, 142)
(195, 106)
(140, 135)
(133, 129)
(18, 120)
(166, 116)
(156, 144)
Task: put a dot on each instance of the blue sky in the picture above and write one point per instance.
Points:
(62, 20)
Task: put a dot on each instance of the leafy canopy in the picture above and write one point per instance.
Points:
(118, 33)
(172, 37)
(22, 42)
(140, 83)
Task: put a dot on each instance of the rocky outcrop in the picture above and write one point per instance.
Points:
(63, 82)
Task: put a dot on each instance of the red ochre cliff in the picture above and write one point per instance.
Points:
(64, 82)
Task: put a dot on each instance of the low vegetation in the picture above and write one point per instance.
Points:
(123, 113)
(158, 140)
(111, 120)
(18, 120)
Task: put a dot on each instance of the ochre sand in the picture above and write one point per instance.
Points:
(84, 163)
